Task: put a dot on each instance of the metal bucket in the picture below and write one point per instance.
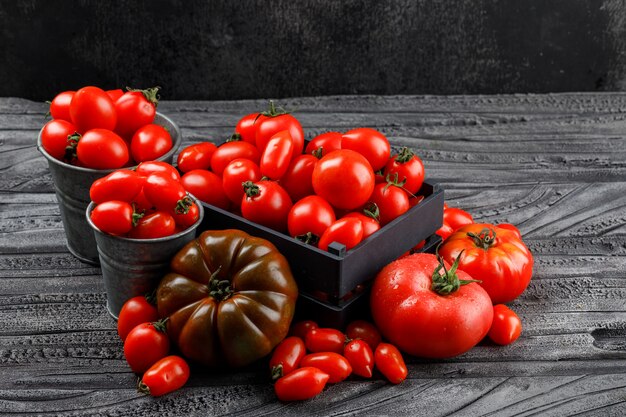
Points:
(132, 267)
(71, 185)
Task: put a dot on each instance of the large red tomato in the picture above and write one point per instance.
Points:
(273, 121)
(494, 255)
(427, 310)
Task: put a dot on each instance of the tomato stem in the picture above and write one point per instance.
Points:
(309, 238)
(142, 387)
(372, 210)
(277, 372)
(448, 282)
(151, 297)
(219, 289)
(151, 94)
(484, 239)
(273, 111)
(250, 189)
(182, 205)
(161, 325)
(405, 155)
(318, 153)
(394, 181)
(235, 137)
(70, 150)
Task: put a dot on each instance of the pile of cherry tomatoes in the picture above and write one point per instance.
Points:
(149, 202)
(100, 129)
(339, 187)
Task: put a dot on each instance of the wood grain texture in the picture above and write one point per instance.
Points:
(555, 165)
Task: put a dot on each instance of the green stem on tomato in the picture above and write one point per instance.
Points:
(448, 282)
(485, 238)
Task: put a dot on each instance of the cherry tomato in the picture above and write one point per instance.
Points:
(312, 215)
(336, 366)
(392, 202)
(301, 328)
(360, 356)
(147, 168)
(230, 151)
(92, 108)
(370, 224)
(60, 106)
(347, 230)
(344, 178)
(102, 149)
(196, 156)
(186, 220)
(154, 225)
(166, 194)
(456, 218)
(266, 203)
(235, 174)
(277, 155)
(510, 227)
(113, 217)
(145, 345)
(370, 143)
(135, 311)
(54, 137)
(286, 357)
(444, 231)
(325, 340)
(275, 121)
(408, 167)
(141, 203)
(361, 329)
(327, 142)
(206, 186)
(166, 375)
(506, 326)
(135, 109)
(415, 200)
(115, 94)
(150, 142)
(246, 129)
(122, 185)
(390, 363)
(297, 181)
(301, 384)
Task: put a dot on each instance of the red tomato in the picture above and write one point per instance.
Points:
(511, 228)
(141, 203)
(122, 185)
(196, 156)
(494, 255)
(327, 142)
(135, 109)
(266, 203)
(444, 231)
(370, 143)
(413, 305)
(186, 220)
(135, 311)
(246, 129)
(456, 218)
(277, 155)
(392, 202)
(360, 356)
(301, 384)
(408, 167)
(361, 329)
(344, 178)
(230, 151)
(311, 215)
(54, 138)
(236, 173)
(347, 231)
(115, 94)
(166, 375)
(166, 194)
(206, 186)
(325, 340)
(60, 106)
(147, 168)
(286, 357)
(506, 326)
(92, 108)
(336, 366)
(370, 224)
(102, 149)
(415, 200)
(150, 142)
(297, 181)
(390, 363)
(275, 121)
(145, 345)
(113, 217)
(154, 225)
(301, 328)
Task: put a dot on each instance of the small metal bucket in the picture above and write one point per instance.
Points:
(71, 185)
(132, 267)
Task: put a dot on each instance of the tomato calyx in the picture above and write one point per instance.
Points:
(151, 297)
(235, 137)
(405, 155)
(160, 325)
(372, 210)
(277, 372)
(318, 153)
(484, 239)
(448, 282)
(142, 387)
(135, 218)
(219, 289)
(70, 150)
(183, 205)
(251, 189)
(308, 238)
(394, 181)
(272, 111)
(151, 94)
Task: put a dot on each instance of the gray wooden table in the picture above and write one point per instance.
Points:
(555, 165)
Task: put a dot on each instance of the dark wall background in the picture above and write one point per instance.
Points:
(227, 49)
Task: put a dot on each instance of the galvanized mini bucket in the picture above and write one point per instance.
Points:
(71, 185)
(132, 267)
